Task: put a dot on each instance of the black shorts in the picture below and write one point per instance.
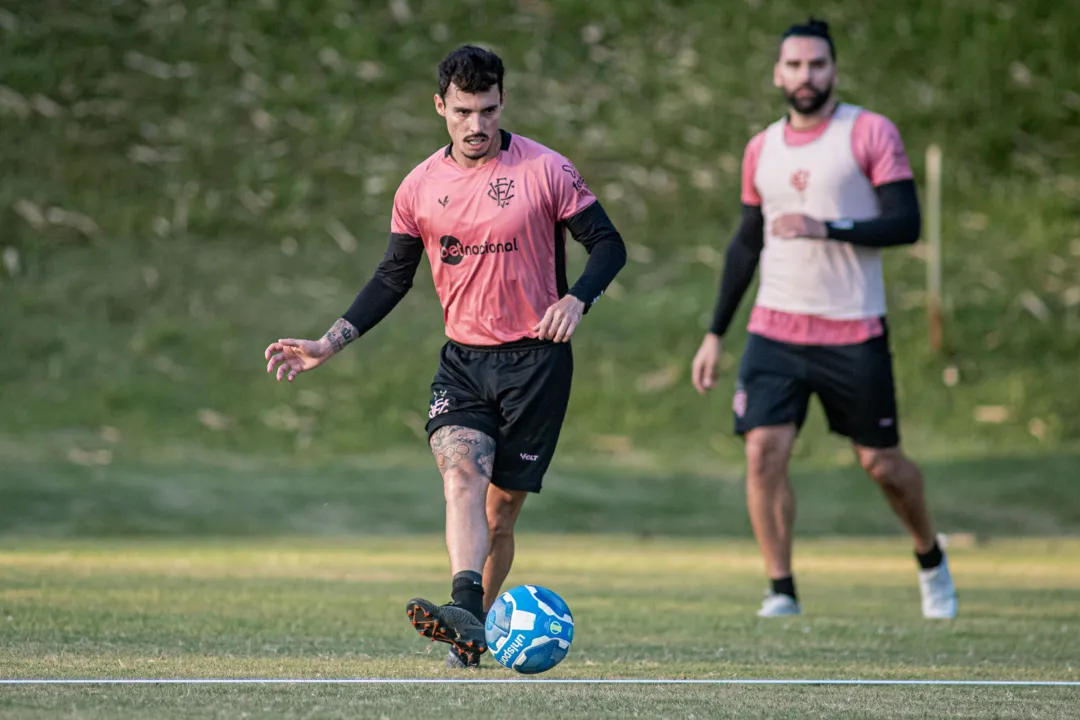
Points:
(854, 383)
(517, 394)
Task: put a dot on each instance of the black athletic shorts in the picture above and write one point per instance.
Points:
(854, 383)
(516, 394)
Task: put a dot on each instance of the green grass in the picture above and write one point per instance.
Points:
(643, 609)
(213, 151)
(246, 496)
(566, 702)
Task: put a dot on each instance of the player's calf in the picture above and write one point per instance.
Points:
(902, 483)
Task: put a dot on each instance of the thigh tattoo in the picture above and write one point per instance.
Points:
(454, 445)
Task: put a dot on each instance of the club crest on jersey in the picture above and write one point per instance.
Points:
(501, 191)
(800, 180)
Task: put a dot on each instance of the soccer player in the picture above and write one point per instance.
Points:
(491, 210)
(824, 190)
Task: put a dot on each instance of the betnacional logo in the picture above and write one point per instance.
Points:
(452, 251)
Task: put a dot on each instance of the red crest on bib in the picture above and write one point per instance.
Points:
(800, 179)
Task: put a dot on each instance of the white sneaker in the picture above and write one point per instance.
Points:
(938, 592)
(778, 605)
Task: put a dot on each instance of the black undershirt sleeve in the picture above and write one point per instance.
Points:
(898, 222)
(391, 281)
(607, 253)
(740, 263)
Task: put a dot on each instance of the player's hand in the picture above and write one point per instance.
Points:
(795, 226)
(703, 371)
(291, 357)
(560, 320)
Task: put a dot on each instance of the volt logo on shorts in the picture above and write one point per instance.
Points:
(439, 404)
(453, 251)
(529, 458)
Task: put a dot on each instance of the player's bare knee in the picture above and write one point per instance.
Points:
(767, 453)
(463, 481)
(502, 512)
(888, 468)
(500, 519)
(501, 526)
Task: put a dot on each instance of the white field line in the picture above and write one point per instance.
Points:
(524, 681)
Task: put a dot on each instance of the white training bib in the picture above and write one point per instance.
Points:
(822, 179)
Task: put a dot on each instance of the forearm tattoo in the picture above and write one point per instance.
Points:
(454, 446)
(341, 334)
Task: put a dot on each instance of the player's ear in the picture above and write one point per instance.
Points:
(440, 106)
(776, 81)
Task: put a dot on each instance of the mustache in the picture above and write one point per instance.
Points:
(477, 136)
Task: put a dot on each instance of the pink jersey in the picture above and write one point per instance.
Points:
(879, 152)
(494, 236)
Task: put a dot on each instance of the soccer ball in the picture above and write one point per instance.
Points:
(529, 629)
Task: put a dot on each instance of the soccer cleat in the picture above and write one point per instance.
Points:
(455, 660)
(938, 592)
(778, 605)
(449, 624)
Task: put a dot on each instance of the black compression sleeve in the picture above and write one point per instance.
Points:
(740, 263)
(898, 222)
(607, 253)
(390, 283)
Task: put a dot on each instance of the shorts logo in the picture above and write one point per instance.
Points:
(529, 458)
(453, 251)
(738, 403)
(885, 422)
(439, 404)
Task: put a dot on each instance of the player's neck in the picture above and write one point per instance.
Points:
(801, 122)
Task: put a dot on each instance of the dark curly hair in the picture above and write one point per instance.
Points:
(472, 69)
(812, 28)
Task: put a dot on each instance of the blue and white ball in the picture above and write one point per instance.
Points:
(529, 629)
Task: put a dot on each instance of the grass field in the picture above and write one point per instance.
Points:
(643, 609)
(564, 702)
(243, 496)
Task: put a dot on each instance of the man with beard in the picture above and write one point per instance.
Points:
(824, 190)
(491, 210)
